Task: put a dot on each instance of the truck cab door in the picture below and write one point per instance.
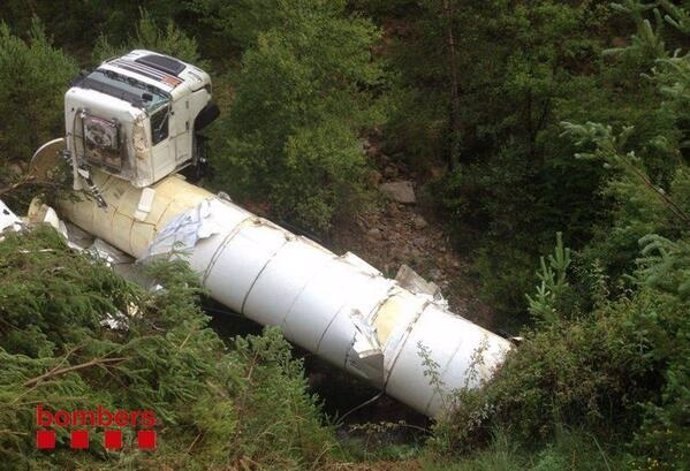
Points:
(180, 127)
(163, 158)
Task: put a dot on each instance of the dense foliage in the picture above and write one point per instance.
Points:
(304, 96)
(74, 335)
(523, 121)
(609, 350)
(34, 78)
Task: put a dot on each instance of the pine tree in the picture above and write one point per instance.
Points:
(34, 76)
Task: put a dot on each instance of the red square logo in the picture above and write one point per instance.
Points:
(146, 439)
(45, 439)
(113, 439)
(79, 439)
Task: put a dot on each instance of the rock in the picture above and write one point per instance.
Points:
(400, 191)
(420, 242)
(374, 232)
(419, 222)
(435, 274)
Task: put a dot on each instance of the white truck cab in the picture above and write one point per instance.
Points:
(138, 117)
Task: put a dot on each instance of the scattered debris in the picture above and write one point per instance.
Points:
(8, 220)
(42, 213)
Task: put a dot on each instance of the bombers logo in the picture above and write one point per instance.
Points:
(79, 420)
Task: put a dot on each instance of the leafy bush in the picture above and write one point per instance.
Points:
(594, 372)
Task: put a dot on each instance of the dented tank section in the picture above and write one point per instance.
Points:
(338, 307)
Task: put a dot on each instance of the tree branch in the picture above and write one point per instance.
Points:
(69, 369)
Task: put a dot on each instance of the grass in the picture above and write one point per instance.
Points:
(573, 450)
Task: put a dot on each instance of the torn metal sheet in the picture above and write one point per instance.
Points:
(409, 279)
(183, 232)
(365, 356)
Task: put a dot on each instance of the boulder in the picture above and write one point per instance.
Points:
(419, 222)
(374, 232)
(400, 191)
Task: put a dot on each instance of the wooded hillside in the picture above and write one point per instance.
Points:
(548, 140)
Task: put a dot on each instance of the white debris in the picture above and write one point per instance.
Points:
(183, 232)
(8, 220)
(42, 213)
(145, 204)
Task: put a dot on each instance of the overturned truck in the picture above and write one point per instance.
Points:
(134, 123)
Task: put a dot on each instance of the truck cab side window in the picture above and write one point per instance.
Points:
(159, 125)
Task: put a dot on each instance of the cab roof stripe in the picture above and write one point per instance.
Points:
(147, 71)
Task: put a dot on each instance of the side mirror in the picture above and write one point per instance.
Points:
(206, 116)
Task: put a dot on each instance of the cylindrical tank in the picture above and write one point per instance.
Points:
(337, 307)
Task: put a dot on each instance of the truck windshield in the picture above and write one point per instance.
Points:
(139, 94)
